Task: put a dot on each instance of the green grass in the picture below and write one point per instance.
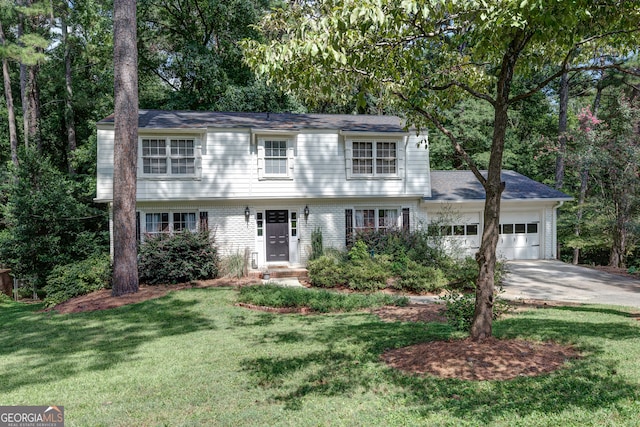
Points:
(193, 358)
(319, 300)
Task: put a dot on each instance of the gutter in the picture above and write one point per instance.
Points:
(555, 227)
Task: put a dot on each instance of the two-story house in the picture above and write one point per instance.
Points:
(263, 182)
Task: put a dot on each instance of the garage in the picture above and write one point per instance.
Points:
(519, 236)
(528, 216)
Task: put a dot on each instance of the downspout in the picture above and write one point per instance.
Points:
(555, 228)
(404, 181)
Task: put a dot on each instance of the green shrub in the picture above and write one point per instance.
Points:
(177, 258)
(78, 278)
(316, 243)
(460, 308)
(390, 242)
(48, 219)
(316, 299)
(359, 252)
(368, 274)
(5, 299)
(326, 272)
(418, 278)
(460, 272)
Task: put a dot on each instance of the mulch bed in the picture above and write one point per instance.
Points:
(491, 359)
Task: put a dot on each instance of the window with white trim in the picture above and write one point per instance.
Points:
(158, 222)
(386, 158)
(275, 157)
(169, 156)
(387, 218)
(184, 221)
(373, 158)
(453, 230)
(375, 219)
(362, 158)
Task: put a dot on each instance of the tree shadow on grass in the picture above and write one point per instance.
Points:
(343, 365)
(603, 310)
(350, 361)
(58, 346)
(589, 384)
(564, 330)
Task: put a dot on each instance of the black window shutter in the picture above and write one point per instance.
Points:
(138, 226)
(348, 216)
(204, 221)
(405, 219)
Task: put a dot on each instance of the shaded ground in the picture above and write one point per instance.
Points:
(492, 359)
(102, 299)
(412, 313)
(615, 270)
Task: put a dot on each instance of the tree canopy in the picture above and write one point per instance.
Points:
(425, 56)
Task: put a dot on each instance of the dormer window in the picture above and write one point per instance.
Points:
(169, 156)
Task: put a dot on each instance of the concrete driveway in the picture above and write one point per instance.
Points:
(557, 281)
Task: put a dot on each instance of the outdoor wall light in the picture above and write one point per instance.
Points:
(306, 212)
(247, 213)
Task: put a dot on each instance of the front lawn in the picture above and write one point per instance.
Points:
(194, 358)
(319, 300)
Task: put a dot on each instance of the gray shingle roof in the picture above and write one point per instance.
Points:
(463, 185)
(160, 119)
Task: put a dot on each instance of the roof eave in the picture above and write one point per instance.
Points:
(519, 200)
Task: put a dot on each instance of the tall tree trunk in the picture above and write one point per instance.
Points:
(482, 324)
(33, 99)
(125, 268)
(562, 129)
(619, 244)
(584, 182)
(13, 133)
(584, 178)
(68, 110)
(23, 83)
(25, 103)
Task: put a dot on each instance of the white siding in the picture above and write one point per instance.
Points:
(104, 188)
(230, 171)
(550, 216)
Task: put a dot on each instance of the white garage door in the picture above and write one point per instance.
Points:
(519, 236)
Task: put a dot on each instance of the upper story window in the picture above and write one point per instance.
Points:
(373, 158)
(386, 158)
(169, 156)
(275, 157)
(362, 158)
